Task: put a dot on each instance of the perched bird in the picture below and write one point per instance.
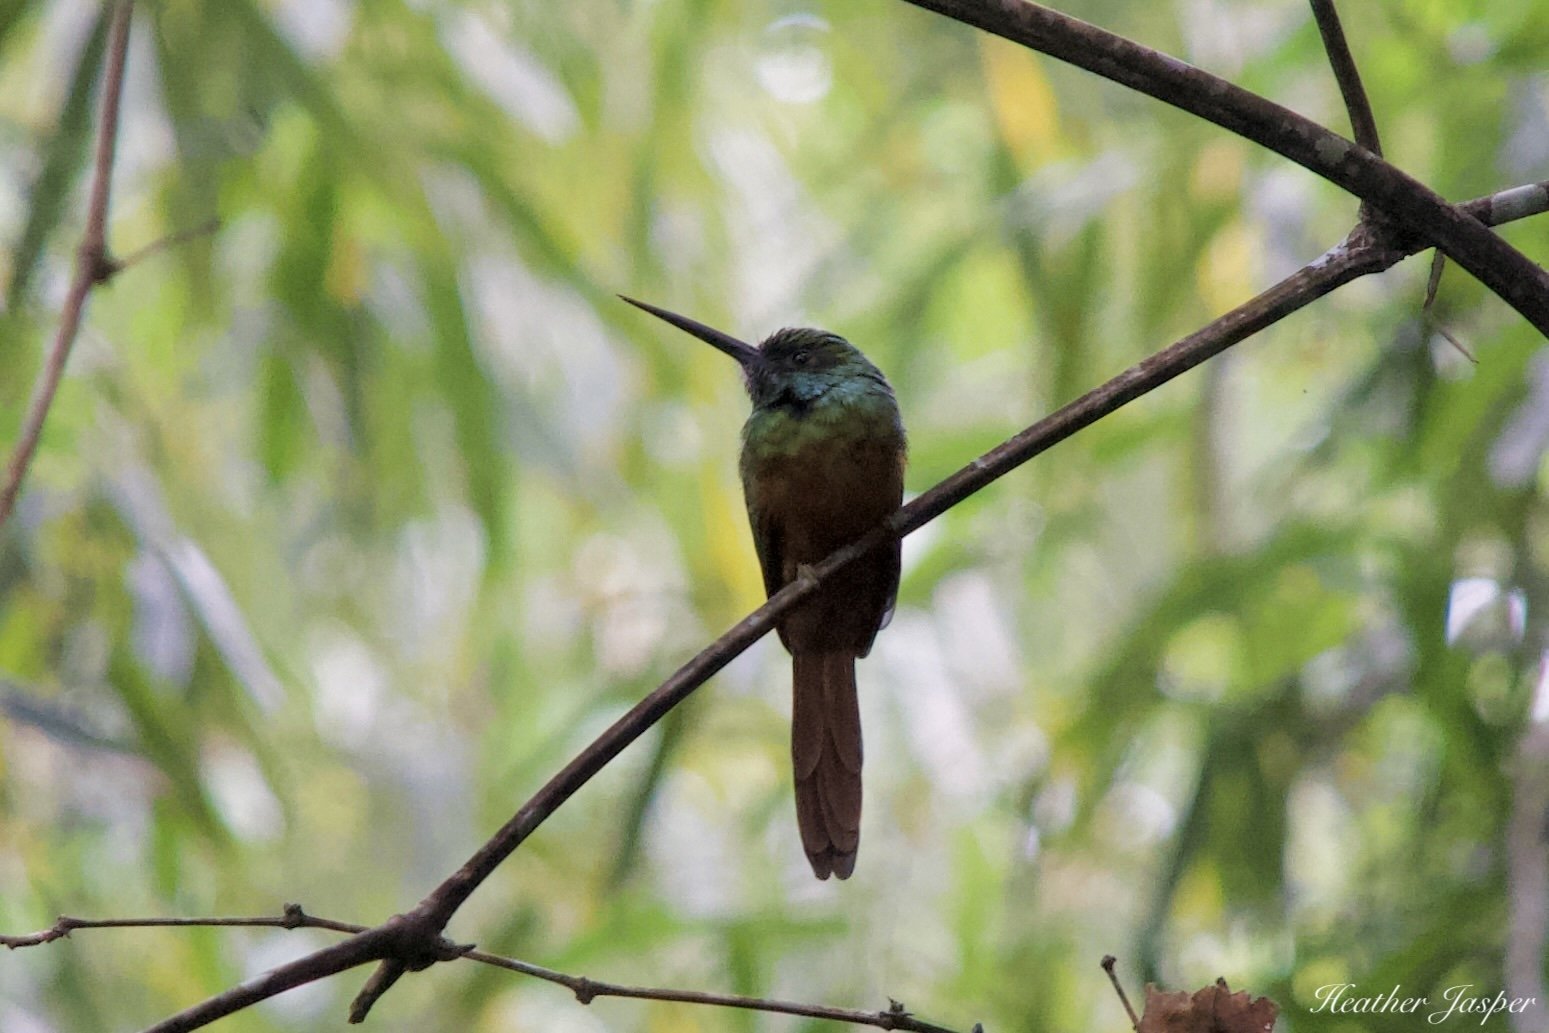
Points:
(822, 464)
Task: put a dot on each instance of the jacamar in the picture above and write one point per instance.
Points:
(822, 464)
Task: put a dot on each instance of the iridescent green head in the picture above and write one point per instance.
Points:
(790, 368)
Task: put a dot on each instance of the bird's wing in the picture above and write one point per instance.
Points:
(769, 542)
(888, 566)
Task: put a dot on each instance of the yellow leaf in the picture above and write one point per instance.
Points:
(729, 540)
(1026, 111)
(345, 279)
(1227, 268)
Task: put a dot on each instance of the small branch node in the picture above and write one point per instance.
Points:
(450, 950)
(584, 989)
(896, 1016)
(99, 265)
(295, 918)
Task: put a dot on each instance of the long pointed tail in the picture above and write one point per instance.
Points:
(826, 755)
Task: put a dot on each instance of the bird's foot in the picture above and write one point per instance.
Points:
(806, 573)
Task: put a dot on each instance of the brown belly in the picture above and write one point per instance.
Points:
(813, 503)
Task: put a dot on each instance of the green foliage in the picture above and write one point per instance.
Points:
(355, 521)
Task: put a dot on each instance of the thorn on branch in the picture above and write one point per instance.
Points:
(1438, 263)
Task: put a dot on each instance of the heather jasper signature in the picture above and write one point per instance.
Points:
(1460, 1000)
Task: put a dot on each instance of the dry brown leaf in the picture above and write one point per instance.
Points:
(1213, 1009)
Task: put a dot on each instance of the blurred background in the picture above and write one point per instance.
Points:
(356, 519)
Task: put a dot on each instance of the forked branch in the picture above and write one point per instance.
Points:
(91, 262)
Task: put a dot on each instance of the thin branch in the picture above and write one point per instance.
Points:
(1407, 201)
(293, 918)
(204, 229)
(585, 989)
(1510, 204)
(1109, 961)
(1362, 122)
(91, 264)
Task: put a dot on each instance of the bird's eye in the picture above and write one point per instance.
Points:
(801, 357)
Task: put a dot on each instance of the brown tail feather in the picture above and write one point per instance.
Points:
(826, 757)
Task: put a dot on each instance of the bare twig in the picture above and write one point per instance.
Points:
(293, 918)
(204, 229)
(895, 1017)
(1411, 204)
(1511, 204)
(1108, 963)
(585, 989)
(1362, 122)
(91, 263)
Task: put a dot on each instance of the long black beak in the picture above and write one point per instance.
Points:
(744, 353)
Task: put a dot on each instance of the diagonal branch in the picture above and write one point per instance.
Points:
(91, 262)
(1362, 122)
(1407, 201)
(357, 950)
